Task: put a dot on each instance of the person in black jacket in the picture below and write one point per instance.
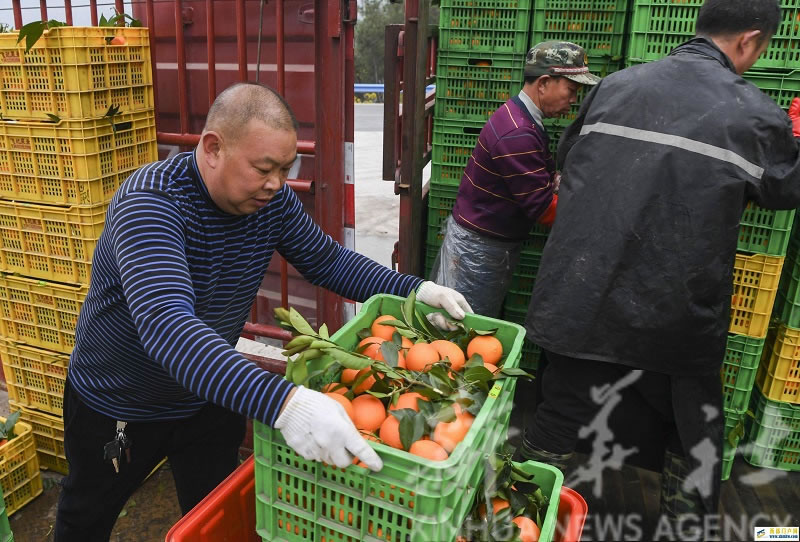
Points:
(637, 272)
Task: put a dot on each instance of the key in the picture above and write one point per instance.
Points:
(111, 452)
(124, 441)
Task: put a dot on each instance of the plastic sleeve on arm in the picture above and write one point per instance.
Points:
(149, 246)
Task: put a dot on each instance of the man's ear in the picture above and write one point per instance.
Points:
(211, 143)
(749, 40)
(543, 81)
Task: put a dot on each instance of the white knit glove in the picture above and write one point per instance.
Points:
(318, 428)
(445, 298)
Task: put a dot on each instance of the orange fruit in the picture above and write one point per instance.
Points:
(118, 40)
(384, 332)
(334, 387)
(368, 412)
(421, 356)
(349, 375)
(530, 531)
(488, 346)
(498, 504)
(450, 350)
(492, 368)
(449, 434)
(344, 401)
(366, 384)
(373, 348)
(429, 450)
(390, 432)
(408, 400)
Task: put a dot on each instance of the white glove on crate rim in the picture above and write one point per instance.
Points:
(318, 428)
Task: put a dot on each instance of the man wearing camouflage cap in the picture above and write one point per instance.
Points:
(510, 181)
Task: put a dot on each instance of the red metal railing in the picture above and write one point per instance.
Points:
(334, 119)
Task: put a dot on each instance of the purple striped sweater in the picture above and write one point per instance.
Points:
(507, 185)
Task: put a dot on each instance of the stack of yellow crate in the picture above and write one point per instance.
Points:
(77, 119)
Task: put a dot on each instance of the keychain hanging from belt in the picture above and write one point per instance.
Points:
(115, 449)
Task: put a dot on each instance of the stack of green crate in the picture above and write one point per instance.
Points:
(482, 46)
(657, 27)
(598, 27)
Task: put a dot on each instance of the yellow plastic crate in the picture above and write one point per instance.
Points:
(778, 375)
(74, 73)
(39, 313)
(755, 283)
(35, 377)
(48, 242)
(73, 162)
(48, 437)
(19, 468)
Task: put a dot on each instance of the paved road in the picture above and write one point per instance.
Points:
(377, 207)
(369, 117)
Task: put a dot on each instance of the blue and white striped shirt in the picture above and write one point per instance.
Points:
(173, 280)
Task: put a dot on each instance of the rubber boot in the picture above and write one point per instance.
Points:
(682, 507)
(529, 452)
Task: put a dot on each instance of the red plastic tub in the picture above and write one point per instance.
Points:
(571, 516)
(228, 514)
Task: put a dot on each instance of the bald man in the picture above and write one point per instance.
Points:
(186, 244)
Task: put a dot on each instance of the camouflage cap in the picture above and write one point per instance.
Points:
(559, 58)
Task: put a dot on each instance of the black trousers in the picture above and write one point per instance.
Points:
(566, 403)
(202, 451)
(577, 395)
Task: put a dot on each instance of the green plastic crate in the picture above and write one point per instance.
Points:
(550, 481)
(531, 353)
(517, 299)
(532, 248)
(732, 420)
(764, 231)
(435, 235)
(442, 198)
(430, 257)
(453, 143)
(787, 300)
(658, 26)
(738, 372)
(446, 174)
(484, 25)
(411, 498)
(774, 434)
(596, 25)
(5, 526)
(528, 265)
(472, 85)
(780, 86)
(554, 131)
